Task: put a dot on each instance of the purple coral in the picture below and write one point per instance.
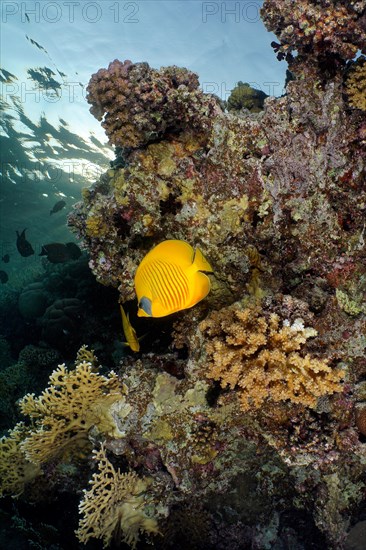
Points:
(138, 104)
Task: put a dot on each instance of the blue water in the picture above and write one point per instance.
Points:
(51, 145)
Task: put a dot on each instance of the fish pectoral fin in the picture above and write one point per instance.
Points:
(127, 345)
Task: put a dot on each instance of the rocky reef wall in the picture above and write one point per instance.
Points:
(244, 416)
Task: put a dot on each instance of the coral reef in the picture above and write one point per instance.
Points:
(73, 403)
(5, 353)
(15, 470)
(115, 506)
(317, 28)
(252, 402)
(261, 358)
(361, 418)
(274, 196)
(166, 441)
(138, 104)
(60, 320)
(33, 301)
(243, 96)
(15, 381)
(356, 84)
(40, 357)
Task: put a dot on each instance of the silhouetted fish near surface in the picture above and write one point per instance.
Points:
(58, 253)
(5, 258)
(3, 277)
(57, 207)
(24, 247)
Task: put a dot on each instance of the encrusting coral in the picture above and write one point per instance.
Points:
(115, 507)
(356, 84)
(260, 357)
(317, 28)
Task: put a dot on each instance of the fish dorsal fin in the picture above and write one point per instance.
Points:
(174, 251)
(200, 262)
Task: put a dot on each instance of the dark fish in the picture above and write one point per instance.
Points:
(3, 277)
(74, 250)
(24, 247)
(58, 206)
(58, 253)
(6, 258)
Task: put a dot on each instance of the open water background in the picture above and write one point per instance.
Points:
(51, 146)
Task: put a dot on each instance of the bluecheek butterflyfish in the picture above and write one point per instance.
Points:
(171, 277)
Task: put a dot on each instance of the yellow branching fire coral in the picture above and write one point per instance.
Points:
(356, 84)
(85, 354)
(115, 506)
(15, 470)
(73, 402)
(260, 357)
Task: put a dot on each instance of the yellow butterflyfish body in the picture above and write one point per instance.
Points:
(171, 277)
(130, 333)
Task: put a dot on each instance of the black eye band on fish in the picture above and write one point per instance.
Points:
(145, 305)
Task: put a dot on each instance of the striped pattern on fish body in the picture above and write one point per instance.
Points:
(168, 284)
(171, 277)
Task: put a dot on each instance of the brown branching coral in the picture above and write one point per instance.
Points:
(63, 414)
(115, 506)
(261, 357)
(139, 104)
(356, 84)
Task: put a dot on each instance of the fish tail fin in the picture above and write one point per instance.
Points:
(200, 262)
